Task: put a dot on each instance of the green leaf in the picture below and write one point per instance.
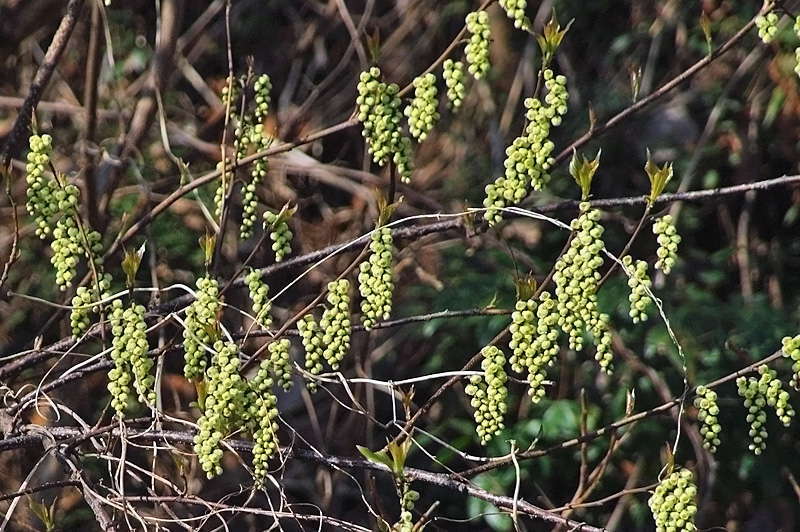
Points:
(583, 170)
(379, 457)
(659, 177)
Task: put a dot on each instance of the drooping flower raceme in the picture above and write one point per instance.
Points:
(767, 390)
(375, 279)
(529, 157)
(259, 295)
(421, 112)
(477, 49)
(279, 232)
(379, 110)
(454, 81)
(515, 9)
(335, 323)
(674, 502)
(489, 393)
(534, 340)
(577, 280)
(791, 349)
(260, 140)
(201, 326)
(639, 282)
(707, 412)
(668, 240)
(224, 409)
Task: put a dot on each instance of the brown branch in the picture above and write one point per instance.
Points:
(612, 427)
(12, 368)
(619, 118)
(40, 81)
(184, 437)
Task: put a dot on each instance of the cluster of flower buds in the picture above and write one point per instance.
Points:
(534, 340)
(477, 50)
(312, 342)
(280, 362)
(757, 394)
(791, 349)
(260, 141)
(225, 406)
(707, 414)
(201, 327)
(454, 81)
(421, 112)
(668, 239)
(279, 232)
(529, 157)
(489, 393)
(335, 323)
(674, 503)
(408, 499)
(577, 279)
(767, 26)
(41, 201)
(639, 283)
(379, 110)
(375, 278)
(515, 9)
(259, 295)
(83, 303)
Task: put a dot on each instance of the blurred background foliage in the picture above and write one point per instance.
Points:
(733, 296)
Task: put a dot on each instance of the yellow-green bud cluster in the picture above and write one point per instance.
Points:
(791, 349)
(529, 157)
(249, 197)
(379, 110)
(534, 340)
(265, 438)
(758, 393)
(421, 112)
(262, 88)
(279, 233)
(222, 187)
(42, 203)
(556, 100)
(68, 246)
(312, 342)
(280, 362)
(477, 49)
(767, 26)
(376, 279)
(224, 407)
(129, 354)
(408, 499)
(668, 239)
(577, 280)
(262, 409)
(639, 283)
(674, 502)
(80, 316)
(259, 295)
(489, 393)
(335, 323)
(515, 9)
(201, 327)
(707, 412)
(258, 138)
(454, 81)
